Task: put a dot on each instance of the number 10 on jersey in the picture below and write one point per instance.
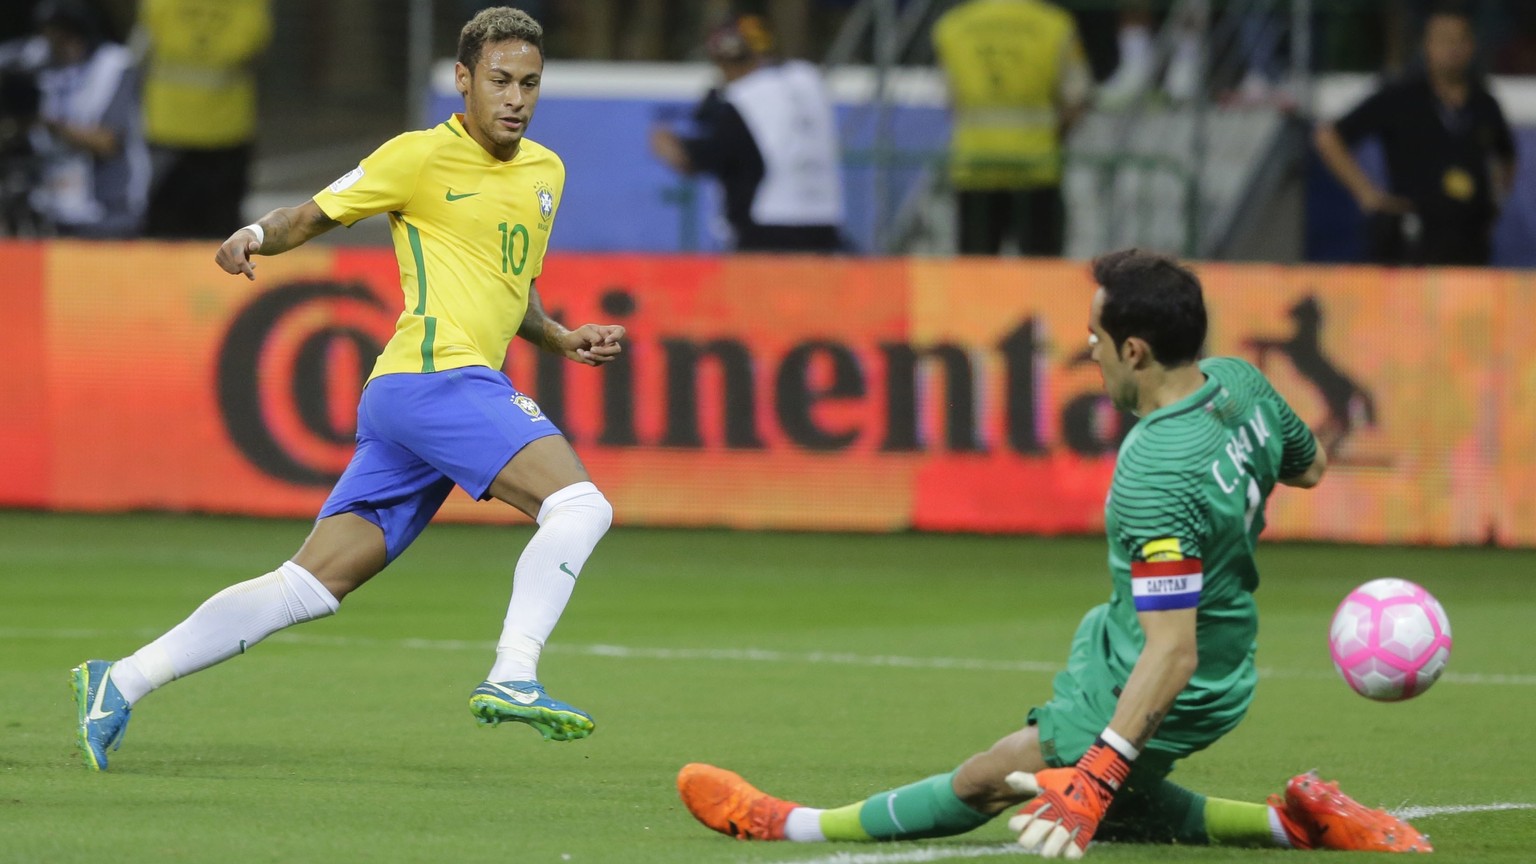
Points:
(509, 256)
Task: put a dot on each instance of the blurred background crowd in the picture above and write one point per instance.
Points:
(1239, 129)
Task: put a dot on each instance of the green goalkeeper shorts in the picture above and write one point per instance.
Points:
(1083, 701)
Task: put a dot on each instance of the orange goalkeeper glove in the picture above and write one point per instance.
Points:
(1069, 802)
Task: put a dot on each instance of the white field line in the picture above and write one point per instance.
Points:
(914, 856)
(940, 853)
(1428, 812)
(738, 655)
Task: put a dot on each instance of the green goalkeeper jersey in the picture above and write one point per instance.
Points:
(1183, 517)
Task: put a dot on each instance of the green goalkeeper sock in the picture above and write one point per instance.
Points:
(927, 808)
(1238, 823)
(1158, 812)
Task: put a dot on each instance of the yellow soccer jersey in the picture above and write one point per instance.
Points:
(199, 84)
(1010, 65)
(470, 235)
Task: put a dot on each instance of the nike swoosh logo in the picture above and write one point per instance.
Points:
(101, 690)
(515, 695)
(453, 197)
(567, 569)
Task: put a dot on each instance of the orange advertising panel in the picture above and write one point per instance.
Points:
(768, 393)
(1398, 373)
(25, 455)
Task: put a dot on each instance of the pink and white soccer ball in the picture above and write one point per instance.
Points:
(1390, 640)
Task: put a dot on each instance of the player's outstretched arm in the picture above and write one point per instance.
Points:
(283, 229)
(1071, 802)
(591, 344)
(1314, 473)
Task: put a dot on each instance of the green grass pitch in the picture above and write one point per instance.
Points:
(823, 667)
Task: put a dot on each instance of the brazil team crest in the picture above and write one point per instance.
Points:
(546, 201)
(528, 406)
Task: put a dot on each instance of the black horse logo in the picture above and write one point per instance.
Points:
(1349, 405)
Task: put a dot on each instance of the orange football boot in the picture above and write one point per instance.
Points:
(724, 801)
(1316, 815)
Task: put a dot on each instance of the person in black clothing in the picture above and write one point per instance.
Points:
(1450, 156)
(769, 137)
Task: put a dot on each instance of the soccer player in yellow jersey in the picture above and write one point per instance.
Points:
(470, 204)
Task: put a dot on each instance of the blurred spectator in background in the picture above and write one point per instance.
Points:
(94, 163)
(20, 166)
(1135, 58)
(1449, 153)
(1137, 66)
(1187, 72)
(200, 110)
(768, 135)
(1017, 81)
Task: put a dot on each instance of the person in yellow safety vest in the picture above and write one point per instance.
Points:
(1018, 80)
(200, 110)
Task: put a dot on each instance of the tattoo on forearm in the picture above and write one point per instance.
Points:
(533, 327)
(288, 227)
(1150, 723)
(547, 339)
(278, 227)
(539, 328)
(284, 228)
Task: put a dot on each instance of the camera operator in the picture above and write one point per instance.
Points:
(19, 168)
(93, 162)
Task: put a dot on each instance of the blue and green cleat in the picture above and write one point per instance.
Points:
(526, 702)
(102, 710)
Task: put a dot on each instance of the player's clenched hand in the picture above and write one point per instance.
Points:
(234, 256)
(1069, 803)
(593, 344)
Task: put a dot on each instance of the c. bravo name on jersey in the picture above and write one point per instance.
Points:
(1239, 451)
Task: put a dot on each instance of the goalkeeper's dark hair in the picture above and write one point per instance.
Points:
(1155, 298)
(497, 24)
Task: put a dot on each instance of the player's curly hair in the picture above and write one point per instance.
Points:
(1154, 297)
(497, 24)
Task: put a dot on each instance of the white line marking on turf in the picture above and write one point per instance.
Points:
(815, 657)
(752, 655)
(943, 853)
(1425, 812)
(915, 856)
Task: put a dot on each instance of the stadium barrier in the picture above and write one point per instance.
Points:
(791, 393)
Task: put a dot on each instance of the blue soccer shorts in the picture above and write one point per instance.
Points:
(420, 434)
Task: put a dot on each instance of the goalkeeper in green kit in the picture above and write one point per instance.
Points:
(1162, 670)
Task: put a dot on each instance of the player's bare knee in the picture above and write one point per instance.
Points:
(342, 552)
(979, 784)
(340, 571)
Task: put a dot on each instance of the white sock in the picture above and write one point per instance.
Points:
(804, 826)
(1277, 830)
(225, 625)
(571, 521)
